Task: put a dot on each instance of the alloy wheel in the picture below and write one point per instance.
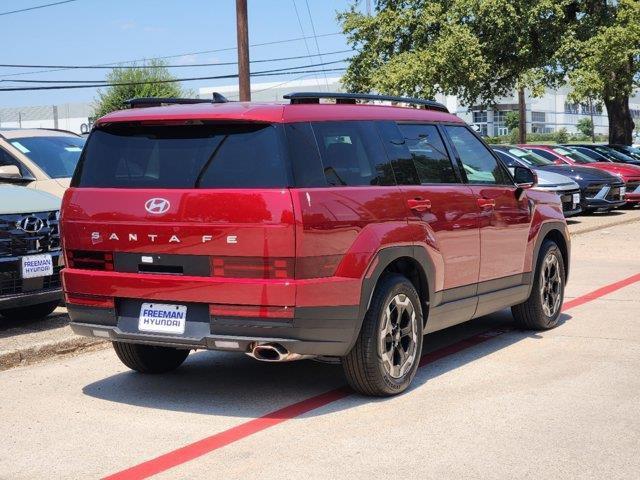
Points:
(550, 285)
(398, 336)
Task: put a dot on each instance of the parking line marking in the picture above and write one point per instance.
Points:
(214, 442)
(607, 289)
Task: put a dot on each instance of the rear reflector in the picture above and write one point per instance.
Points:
(253, 311)
(90, 260)
(89, 300)
(252, 267)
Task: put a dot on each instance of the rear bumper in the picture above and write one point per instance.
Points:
(319, 331)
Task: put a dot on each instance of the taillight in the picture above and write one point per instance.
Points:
(252, 267)
(89, 300)
(90, 260)
(253, 311)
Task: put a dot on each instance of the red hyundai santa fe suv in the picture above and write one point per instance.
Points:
(301, 230)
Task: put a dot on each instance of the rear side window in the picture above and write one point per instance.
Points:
(352, 154)
(183, 156)
(429, 154)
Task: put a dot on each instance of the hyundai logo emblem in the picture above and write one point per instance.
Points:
(31, 224)
(157, 206)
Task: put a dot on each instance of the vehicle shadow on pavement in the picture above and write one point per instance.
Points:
(11, 328)
(234, 385)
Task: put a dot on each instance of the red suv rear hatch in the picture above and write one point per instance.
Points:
(161, 202)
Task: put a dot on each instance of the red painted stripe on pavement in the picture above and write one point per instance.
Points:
(244, 430)
(607, 289)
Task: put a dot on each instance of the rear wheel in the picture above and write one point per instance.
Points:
(385, 357)
(149, 358)
(542, 309)
(31, 312)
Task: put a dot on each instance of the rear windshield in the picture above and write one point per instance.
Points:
(183, 156)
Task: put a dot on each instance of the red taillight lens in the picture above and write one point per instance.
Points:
(253, 311)
(252, 267)
(89, 300)
(90, 260)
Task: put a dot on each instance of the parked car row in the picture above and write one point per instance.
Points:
(35, 169)
(606, 177)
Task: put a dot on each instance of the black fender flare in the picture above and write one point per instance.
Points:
(545, 229)
(382, 259)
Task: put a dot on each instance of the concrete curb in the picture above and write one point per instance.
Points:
(43, 351)
(602, 226)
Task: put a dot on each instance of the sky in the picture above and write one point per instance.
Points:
(95, 32)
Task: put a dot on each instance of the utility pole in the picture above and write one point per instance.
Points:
(593, 125)
(369, 7)
(522, 113)
(242, 29)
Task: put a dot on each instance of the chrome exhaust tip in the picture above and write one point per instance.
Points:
(273, 352)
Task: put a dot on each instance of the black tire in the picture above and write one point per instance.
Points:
(32, 312)
(533, 314)
(149, 358)
(365, 366)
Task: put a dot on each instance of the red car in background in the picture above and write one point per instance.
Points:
(630, 174)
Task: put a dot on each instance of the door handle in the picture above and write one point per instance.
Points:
(419, 204)
(486, 203)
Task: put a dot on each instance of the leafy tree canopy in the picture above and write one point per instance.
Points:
(113, 98)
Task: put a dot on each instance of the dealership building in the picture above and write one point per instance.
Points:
(547, 114)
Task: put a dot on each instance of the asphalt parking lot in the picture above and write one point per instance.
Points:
(488, 402)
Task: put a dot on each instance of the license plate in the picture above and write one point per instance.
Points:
(37, 266)
(576, 198)
(162, 318)
(623, 190)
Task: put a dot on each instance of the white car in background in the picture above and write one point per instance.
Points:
(39, 158)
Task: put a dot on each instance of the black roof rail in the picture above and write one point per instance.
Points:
(352, 98)
(163, 101)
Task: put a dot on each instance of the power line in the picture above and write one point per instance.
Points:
(102, 67)
(165, 57)
(217, 77)
(306, 45)
(315, 36)
(36, 7)
(98, 82)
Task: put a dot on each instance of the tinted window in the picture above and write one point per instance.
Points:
(352, 154)
(401, 159)
(304, 155)
(56, 156)
(479, 165)
(429, 154)
(544, 153)
(189, 156)
(529, 158)
(508, 161)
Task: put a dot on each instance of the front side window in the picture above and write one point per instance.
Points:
(479, 165)
(183, 156)
(352, 154)
(56, 156)
(429, 154)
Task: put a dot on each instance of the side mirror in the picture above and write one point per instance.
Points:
(525, 177)
(10, 173)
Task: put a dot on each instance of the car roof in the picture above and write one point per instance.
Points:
(278, 113)
(34, 132)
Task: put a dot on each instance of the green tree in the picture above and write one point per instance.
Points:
(585, 126)
(561, 136)
(600, 54)
(512, 120)
(136, 82)
(477, 50)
